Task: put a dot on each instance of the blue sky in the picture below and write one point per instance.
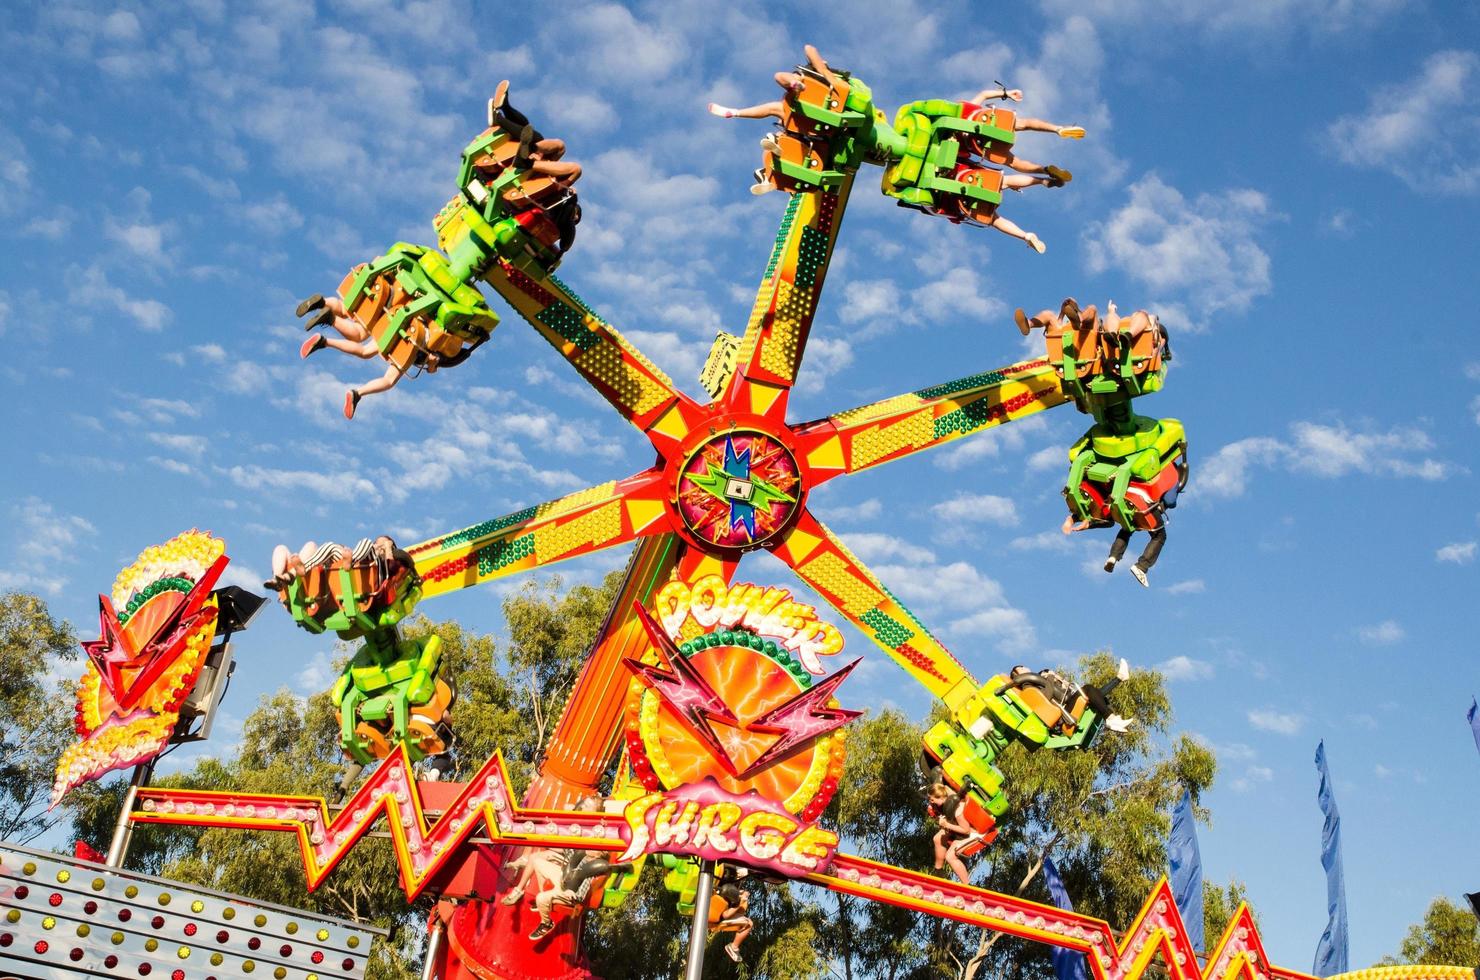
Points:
(1292, 185)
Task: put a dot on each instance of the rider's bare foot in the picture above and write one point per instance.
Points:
(1070, 311)
(1024, 325)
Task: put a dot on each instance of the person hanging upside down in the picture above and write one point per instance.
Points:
(729, 912)
(1027, 124)
(581, 869)
(987, 214)
(544, 867)
(537, 153)
(356, 341)
(945, 807)
(789, 81)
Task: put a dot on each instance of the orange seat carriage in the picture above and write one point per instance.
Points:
(1085, 342)
(429, 729)
(795, 151)
(1143, 352)
(959, 207)
(407, 344)
(371, 586)
(817, 92)
(526, 199)
(985, 148)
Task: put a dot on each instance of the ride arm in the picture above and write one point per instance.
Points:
(895, 427)
(633, 385)
(775, 337)
(822, 561)
(589, 520)
(424, 680)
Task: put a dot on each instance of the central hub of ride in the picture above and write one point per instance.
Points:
(739, 489)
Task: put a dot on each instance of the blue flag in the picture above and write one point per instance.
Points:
(1331, 951)
(1186, 865)
(1474, 722)
(1067, 964)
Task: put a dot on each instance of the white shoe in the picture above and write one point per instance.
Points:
(1118, 724)
(724, 112)
(1124, 670)
(1035, 244)
(770, 145)
(734, 953)
(1140, 576)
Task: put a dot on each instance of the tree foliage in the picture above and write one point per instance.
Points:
(1448, 935)
(35, 714)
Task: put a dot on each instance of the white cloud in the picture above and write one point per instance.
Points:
(1425, 131)
(1043, 541)
(871, 301)
(45, 535)
(46, 541)
(99, 297)
(1202, 255)
(342, 485)
(1253, 776)
(1184, 668)
(1326, 451)
(1049, 458)
(1385, 633)
(1269, 720)
(988, 443)
(955, 598)
(1191, 586)
(1459, 553)
(977, 508)
(143, 239)
(272, 217)
(242, 576)
(867, 510)
(1219, 20)
(188, 445)
(317, 675)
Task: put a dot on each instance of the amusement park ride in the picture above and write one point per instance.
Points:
(714, 697)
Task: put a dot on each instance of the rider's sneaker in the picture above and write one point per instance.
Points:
(734, 953)
(541, 931)
(1140, 574)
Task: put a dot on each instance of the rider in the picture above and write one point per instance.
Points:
(581, 869)
(734, 905)
(1063, 694)
(945, 807)
(357, 342)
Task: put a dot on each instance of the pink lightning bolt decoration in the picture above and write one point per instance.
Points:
(800, 719)
(685, 689)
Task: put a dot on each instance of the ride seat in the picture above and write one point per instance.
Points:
(988, 149)
(534, 191)
(975, 816)
(1088, 350)
(497, 157)
(815, 92)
